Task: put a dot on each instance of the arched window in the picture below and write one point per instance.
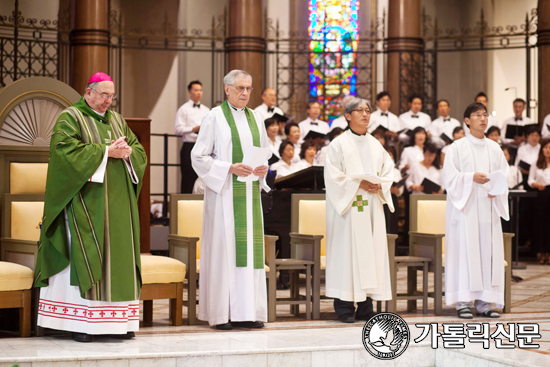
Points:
(334, 37)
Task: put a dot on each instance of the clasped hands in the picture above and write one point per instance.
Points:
(242, 170)
(481, 178)
(120, 149)
(369, 187)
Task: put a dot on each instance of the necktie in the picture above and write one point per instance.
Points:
(196, 105)
(384, 114)
(449, 119)
(518, 119)
(414, 116)
(270, 109)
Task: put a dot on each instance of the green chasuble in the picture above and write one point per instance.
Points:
(103, 218)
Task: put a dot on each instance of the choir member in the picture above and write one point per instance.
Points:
(267, 109)
(517, 120)
(458, 133)
(188, 124)
(285, 165)
(429, 169)
(415, 152)
(292, 132)
(308, 151)
(272, 129)
(341, 122)
(493, 133)
(515, 178)
(414, 117)
(383, 117)
(539, 179)
(441, 128)
(312, 121)
(528, 153)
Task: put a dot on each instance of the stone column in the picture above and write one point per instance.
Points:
(299, 59)
(89, 41)
(245, 45)
(543, 44)
(405, 45)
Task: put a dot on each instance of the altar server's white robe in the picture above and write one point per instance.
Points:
(357, 247)
(226, 292)
(474, 248)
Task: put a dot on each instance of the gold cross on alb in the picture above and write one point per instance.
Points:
(360, 203)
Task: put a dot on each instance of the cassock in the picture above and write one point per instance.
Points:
(88, 259)
(442, 125)
(228, 290)
(474, 248)
(357, 247)
(385, 119)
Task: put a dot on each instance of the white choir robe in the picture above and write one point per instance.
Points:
(309, 124)
(303, 164)
(411, 123)
(283, 169)
(340, 122)
(410, 156)
(528, 153)
(442, 125)
(474, 248)
(357, 247)
(226, 292)
(539, 175)
(511, 122)
(419, 172)
(262, 110)
(390, 122)
(545, 132)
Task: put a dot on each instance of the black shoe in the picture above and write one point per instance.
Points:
(128, 335)
(226, 326)
(347, 318)
(366, 317)
(82, 337)
(249, 324)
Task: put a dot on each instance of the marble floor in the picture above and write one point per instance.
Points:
(292, 341)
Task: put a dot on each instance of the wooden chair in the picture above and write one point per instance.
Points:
(308, 240)
(162, 278)
(15, 292)
(186, 217)
(427, 239)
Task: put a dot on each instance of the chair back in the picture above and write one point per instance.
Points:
(25, 220)
(28, 178)
(312, 220)
(428, 213)
(190, 220)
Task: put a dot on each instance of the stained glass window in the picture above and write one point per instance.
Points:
(334, 36)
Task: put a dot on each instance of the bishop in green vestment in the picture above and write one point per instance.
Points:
(88, 259)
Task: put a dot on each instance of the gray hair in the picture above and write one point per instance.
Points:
(355, 103)
(91, 86)
(229, 79)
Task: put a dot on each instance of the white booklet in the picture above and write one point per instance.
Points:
(370, 177)
(254, 157)
(497, 183)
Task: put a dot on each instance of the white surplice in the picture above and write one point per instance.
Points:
(357, 248)
(474, 248)
(226, 292)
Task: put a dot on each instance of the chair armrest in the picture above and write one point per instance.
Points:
(16, 241)
(182, 241)
(187, 243)
(431, 240)
(270, 249)
(306, 247)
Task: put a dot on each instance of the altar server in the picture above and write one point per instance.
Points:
(474, 249)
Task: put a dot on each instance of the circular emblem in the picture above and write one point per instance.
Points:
(386, 336)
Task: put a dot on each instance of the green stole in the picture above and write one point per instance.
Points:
(239, 195)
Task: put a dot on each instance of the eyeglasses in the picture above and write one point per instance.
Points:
(480, 115)
(105, 95)
(241, 89)
(362, 111)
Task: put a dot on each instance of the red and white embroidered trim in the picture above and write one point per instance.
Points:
(89, 314)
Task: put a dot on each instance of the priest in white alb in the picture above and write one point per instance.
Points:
(357, 249)
(474, 248)
(232, 290)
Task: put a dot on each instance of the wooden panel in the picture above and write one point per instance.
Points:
(141, 127)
